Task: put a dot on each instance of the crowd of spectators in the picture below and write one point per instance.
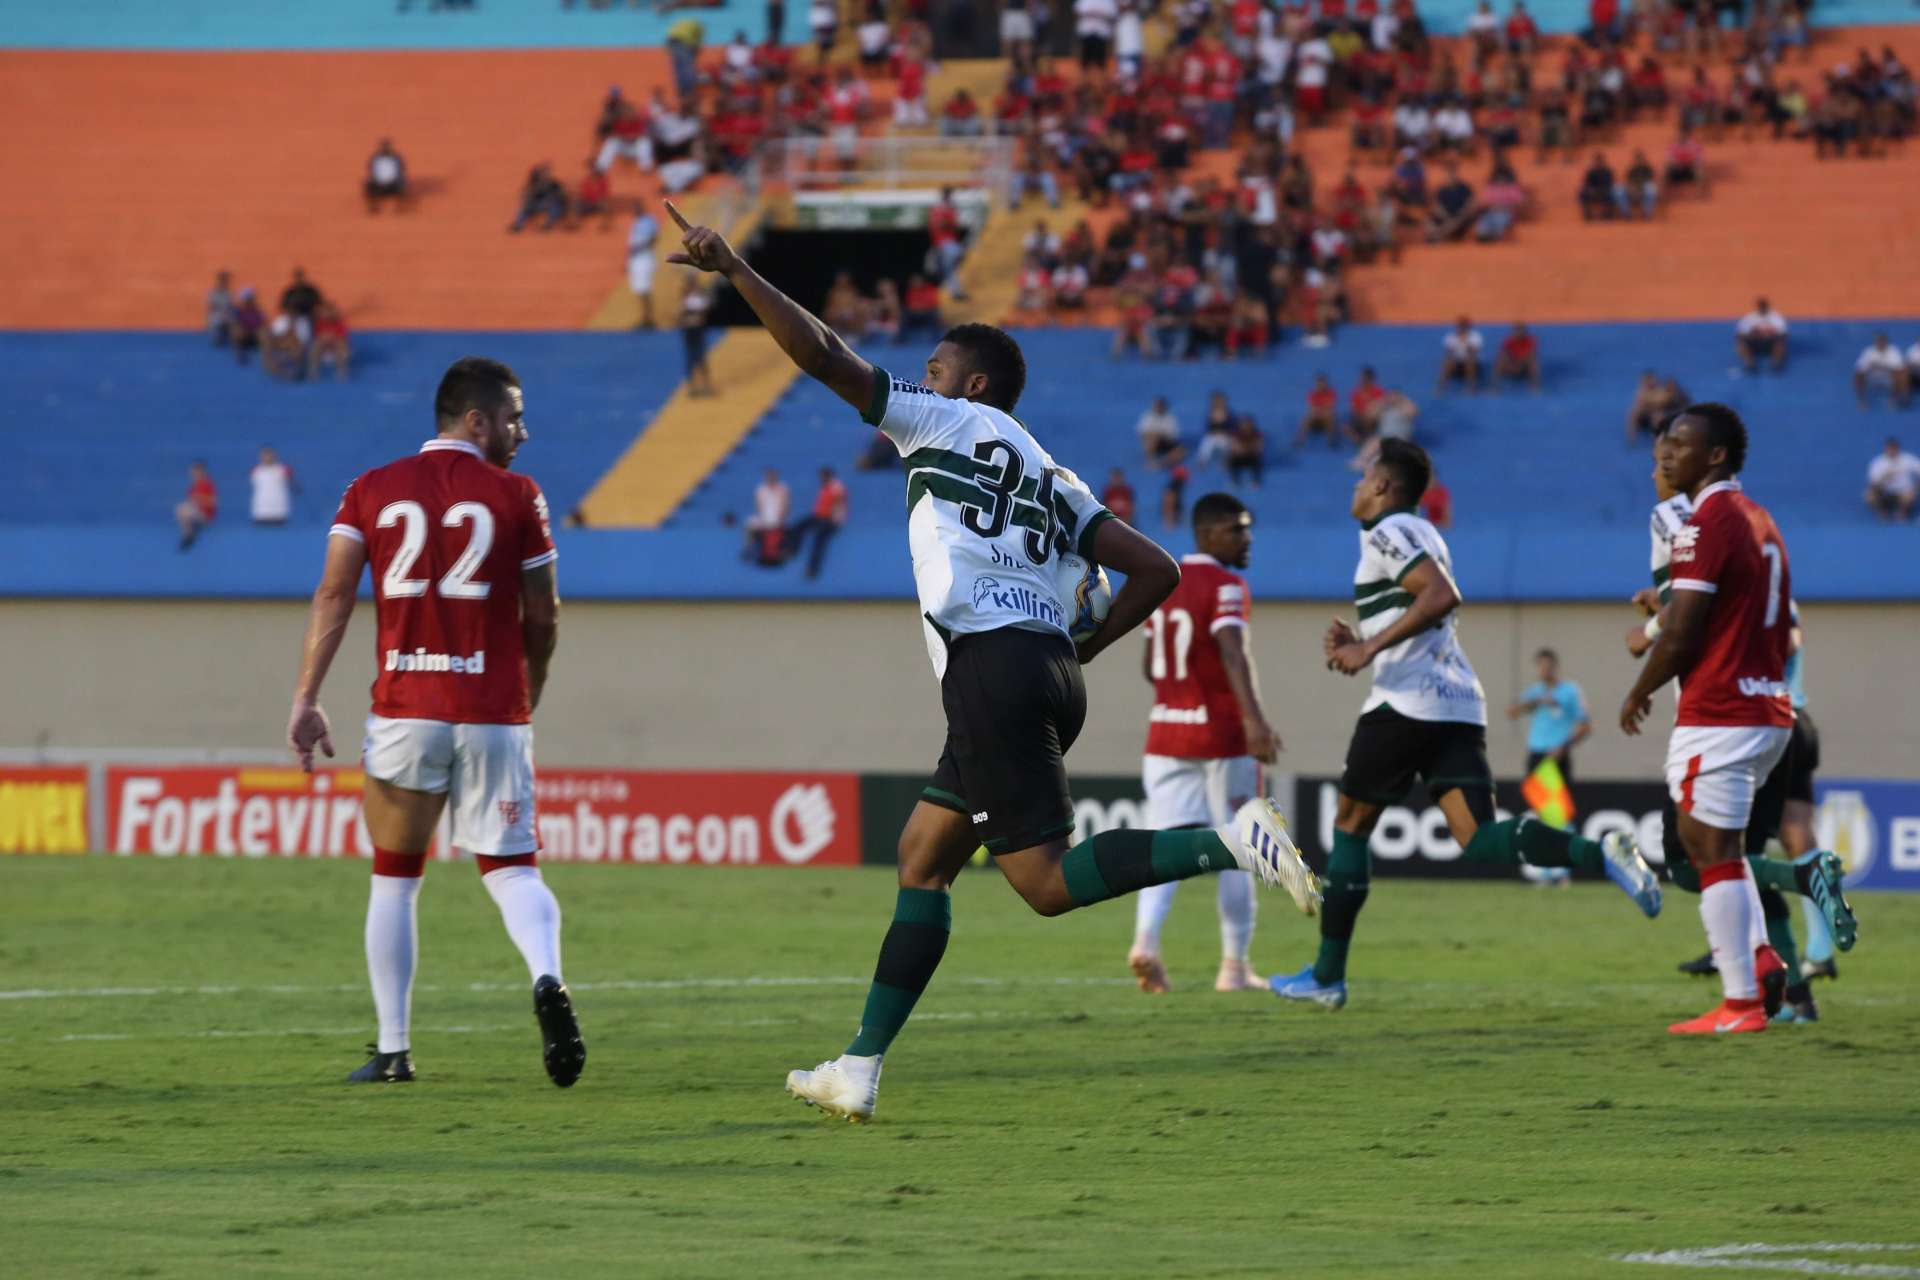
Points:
(307, 335)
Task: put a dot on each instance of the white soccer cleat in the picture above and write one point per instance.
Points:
(846, 1086)
(1259, 843)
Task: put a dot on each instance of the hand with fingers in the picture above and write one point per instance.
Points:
(307, 728)
(704, 248)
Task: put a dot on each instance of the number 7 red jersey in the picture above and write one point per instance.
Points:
(1732, 551)
(448, 535)
(1195, 715)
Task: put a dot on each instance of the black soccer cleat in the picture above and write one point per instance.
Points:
(1702, 967)
(385, 1068)
(1771, 972)
(562, 1049)
(1811, 969)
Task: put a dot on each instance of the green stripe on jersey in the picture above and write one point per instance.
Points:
(1402, 575)
(877, 407)
(1660, 576)
(965, 493)
(1373, 586)
(1381, 603)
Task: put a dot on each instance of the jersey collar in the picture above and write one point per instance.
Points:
(439, 443)
(1718, 486)
(1200, 557)
(1393, 511)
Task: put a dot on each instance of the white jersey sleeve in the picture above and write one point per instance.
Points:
(1668, 519)
(911, 416)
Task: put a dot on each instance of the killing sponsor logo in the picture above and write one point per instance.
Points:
(991, 593)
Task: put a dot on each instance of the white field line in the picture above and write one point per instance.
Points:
(627, 984)
(1784, 1257)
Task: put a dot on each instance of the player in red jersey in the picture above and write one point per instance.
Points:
(1207, 735)
(467, 610)
(1726, 636)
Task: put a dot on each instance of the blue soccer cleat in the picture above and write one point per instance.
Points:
(1819, 874)
(1626, 868)
(1303, 986)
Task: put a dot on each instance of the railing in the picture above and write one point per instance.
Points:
(816, 164)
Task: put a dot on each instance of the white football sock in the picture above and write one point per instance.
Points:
(1237, 911)
(393, 951)
(532, 916)
(1150, 909)
(1758, 916)
(1728, 908)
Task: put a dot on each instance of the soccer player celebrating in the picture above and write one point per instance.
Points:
(1426, 716)
(1207, 735)
(999, 535)
(467, 615)
(1725, 635)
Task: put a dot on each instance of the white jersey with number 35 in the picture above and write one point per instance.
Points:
(989, 513)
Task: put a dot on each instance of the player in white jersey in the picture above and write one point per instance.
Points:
(1426, 717)
(1000, 535)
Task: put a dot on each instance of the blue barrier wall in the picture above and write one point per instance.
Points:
(1550, 501)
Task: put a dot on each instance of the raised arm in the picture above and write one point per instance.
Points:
(307, 726)
(817, 350)
(1434, 597)
(539, 624)
(1152, 575)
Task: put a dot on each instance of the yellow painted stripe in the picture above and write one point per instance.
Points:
(691, 435)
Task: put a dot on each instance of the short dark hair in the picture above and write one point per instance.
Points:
(1548, 654)
(1408, 465)
(992, 351)
(472, 382)
(1216, 508)
(1724, 431)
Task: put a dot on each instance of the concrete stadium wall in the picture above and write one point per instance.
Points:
(734, 685)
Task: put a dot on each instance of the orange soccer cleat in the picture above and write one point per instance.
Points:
(1732, 1016)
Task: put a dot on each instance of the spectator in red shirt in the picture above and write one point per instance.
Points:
(330, 343)
(828, 516)
(1323, 404)
(1437, 504)
(943, 229)
(1603, 23)
(1518, 357)
(594, 195)
(1118, 496)
(200, 506)
(1364, 405)
(922, 307)
(960, 117)
(1687, 162)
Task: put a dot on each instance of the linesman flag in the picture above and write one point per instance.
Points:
(1545, 792)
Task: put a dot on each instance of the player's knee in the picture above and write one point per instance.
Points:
(1047, 900)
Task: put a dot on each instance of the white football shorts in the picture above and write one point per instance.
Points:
(1197, 793)
(1713, 771)
(484, 770)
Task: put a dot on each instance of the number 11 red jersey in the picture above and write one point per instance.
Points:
(448, 535)
(1195, 715)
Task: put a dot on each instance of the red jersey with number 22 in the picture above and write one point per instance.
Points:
(1195, 715)
(1731, 550)
(448, 535)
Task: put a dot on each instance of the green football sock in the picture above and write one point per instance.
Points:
(1773, 873)
(1685, 876)
(1509, 841)
(1779, 916)
(1121, 861)
(911, 951)
(1349, 874)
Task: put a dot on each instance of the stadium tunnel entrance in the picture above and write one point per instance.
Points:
(804, 263)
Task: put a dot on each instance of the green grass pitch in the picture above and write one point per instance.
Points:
(1500, 1099)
